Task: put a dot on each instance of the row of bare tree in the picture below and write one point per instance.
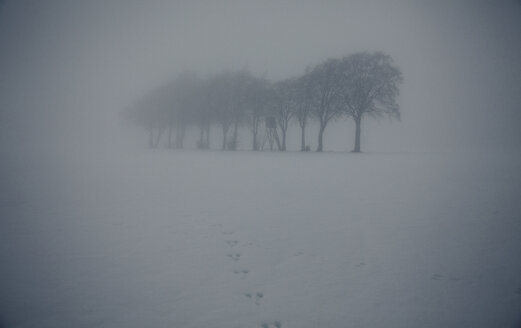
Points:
(355, 86)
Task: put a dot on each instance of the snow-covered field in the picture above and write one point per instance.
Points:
(158, 238)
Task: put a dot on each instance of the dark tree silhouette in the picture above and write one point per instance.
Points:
(304, 101)
(222, 102)
(229, 98)
(203, 112)
(258, 97)
(369, 87)
(324, 87)
(239, 103)
(358, 85)
(284, 106)
(184, 104)
(151, 113)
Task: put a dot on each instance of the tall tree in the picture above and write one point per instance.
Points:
(284, 106)
(228, 97)
(370, 85)
(151, 113)
(221, 101)
(304, 102)
(203, 113)
(258, 96)
(240, 83)
(185, 103)
(324, 82)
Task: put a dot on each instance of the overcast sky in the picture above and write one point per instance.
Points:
(68, 67)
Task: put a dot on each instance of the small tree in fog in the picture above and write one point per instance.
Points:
(228, 99)
(151, 113)
(369, 88)
(284, 102)
(203, 113)
(219, 100)
(184, 104)
(303, 106)
(324, 87)
(240, 84)
(258, 98)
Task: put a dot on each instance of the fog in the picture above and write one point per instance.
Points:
(69, 67)
(97, 229)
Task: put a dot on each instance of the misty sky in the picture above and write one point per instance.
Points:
(68, 67)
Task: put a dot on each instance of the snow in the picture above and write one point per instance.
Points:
(162, 238)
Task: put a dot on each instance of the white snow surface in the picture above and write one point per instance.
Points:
(163, 238)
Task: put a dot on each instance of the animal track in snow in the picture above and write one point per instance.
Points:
(232, 243)
(235, 256)
(256, 297)
(275, 324)
(436, 276)
(361, 264)
(227, 233)
(518, 291)
(243, 273)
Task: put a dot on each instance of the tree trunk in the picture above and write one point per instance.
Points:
(235, 135)
(225, 135)
(278, 142)
(179, 136)
(159, 133)
(201, 144)
(207, 135)
(170, 128)
(303, 137)
(321, 137)
(283, 146)
(255, 145)
(357, 135)
(254, 131)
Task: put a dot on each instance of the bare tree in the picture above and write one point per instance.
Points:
(220, 98)
(324, 90)
(370, 87)
(184, 104)
(258, 96)
(357, 85)
(227, 96)
(239, 102)
(151, 113)
(284, 106)
(304, 102)
(203, 113)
